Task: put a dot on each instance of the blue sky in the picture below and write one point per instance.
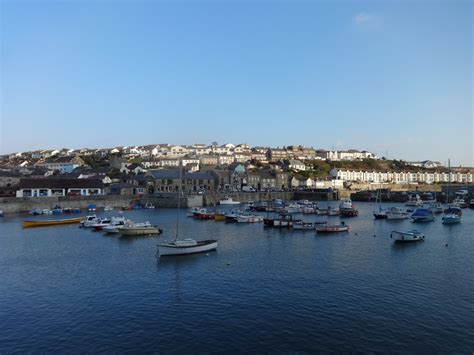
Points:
(390, 76)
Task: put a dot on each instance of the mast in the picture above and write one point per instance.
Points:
(449, 181)
(179, 200)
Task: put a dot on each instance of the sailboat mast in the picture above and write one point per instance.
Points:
(179, 200)
(449, 180)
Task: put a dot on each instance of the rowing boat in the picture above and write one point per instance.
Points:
(53, 222)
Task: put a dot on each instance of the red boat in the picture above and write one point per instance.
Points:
(349, 212)
(202, 213)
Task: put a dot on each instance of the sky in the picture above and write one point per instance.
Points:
(391, 77)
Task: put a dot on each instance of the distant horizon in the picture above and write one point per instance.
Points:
(384, 77)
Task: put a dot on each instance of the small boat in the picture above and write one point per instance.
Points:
(47, 211)
(451, 218)
(219, 216)
(202, 213)
(347, 208)
(283, 221)
(471, 204)
(35, 212)
(407, 237)
(249, 218)
(136, 229)
(422, 215)
(86, 222)
(435, 207)
(260, 207)
(460, 202)
(303, 225)
(192, 211)
(149, 206)
(55, 222)
(380, 214)
(414, 200)
(116, 224)
(452, 208)
(332, 228)
(101, 223)
(322, 212)
(394, 213)
(186, 247)
(92, 207)
(67, 210)
(231, 217)
(349, 213)
(57, 210)
(309, 210)
(108, 208)
(76, 210)
(333, 211)
(228, 201)
(293, 208)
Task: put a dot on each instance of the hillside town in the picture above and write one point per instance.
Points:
(154, 168)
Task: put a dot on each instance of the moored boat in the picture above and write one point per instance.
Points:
(283, 221)
(227, 200)
(332, 228)
(414, 200)
(471, 204)
(422, 215)
(394, 213)
(219, 216)
(186, 247)
(435, 207)
(137, 229)
(115, 225)
(231, 217)
(407, 237)
(192, 211)
(55, 222)
(203, 213)
(451, 218)
(303, 225)
(347, 208)
(249, 218)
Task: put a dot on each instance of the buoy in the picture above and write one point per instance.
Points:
(228, 263)
(446, 245)
(355, 233)
(374, 235)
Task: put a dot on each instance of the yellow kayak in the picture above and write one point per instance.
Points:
(54, 222)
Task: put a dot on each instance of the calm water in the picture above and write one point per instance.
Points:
(64, 289)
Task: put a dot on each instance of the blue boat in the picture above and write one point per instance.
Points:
(422, 215)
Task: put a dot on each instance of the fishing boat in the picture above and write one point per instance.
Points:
(219, 216)
(309, 210)
(394, 213)
(249, 218)
(451, 218)
(347, 208)
(283, 221)
(108, 208)
(435, 207)
(54, 222)
(115, 225)
(332, 228)
(192, 211)
(333, 211)
(422, 215)
(137, 229)
(46, 211)
(203, 213)
(231, 217)
(407, 237)
(227, 200)
(185, 246)
(92, 207)
(414, 200)
(303, 225)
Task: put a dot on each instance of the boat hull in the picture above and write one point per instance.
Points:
(45, 223)
(174, 250)
(129, 232)
(332, 229)
(406, 237)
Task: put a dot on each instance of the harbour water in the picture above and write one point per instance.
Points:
(65, 289)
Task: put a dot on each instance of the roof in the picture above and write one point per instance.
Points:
(174, 174)
(9, 173)
(60, 183)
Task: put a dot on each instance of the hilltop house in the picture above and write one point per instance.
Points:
(64, 164)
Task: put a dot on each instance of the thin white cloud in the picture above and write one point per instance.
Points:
(363, 18)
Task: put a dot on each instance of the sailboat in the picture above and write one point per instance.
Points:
(451, 215)
(184, 246)
(380, 214)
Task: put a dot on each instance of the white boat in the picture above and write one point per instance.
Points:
(332, 228)
(300, 225)
(451, 218)
(228, 201)
(396, 213)
(309, 210)
(414, 201)
(184, 246)
(86, 222)
(108, 208)
(346, 204)
(333, 211)
(249, 218)
(149, 206)
(46, 211)
(136, 229)
(460, 202)
(101, 223)
(293, 208)
(115, 225)
(435, 207)
(407, 237)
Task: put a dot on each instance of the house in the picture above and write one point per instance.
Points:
(178, 151)
(242, 148)
(64, 164)
(132, 169)
(293, 164)
(253, 179)
(427, 164)
(281, 179)
(47, 187)
(301, 152)
(210, 160)
(223, 180)
(167, 180)
(169, 162)
(223, 149)
(267, 180)
(276, 154)
(9, 178)
(226, 159)
(258, 156)
(243, 157)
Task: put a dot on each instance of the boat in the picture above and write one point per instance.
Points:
(414, 200)
(35, 212)
(347, 208)
(381, 213)
(394, 213)
(86, 222)
(471, 204)
(1, 213)
(186, 246)
(227, 200)
(54, 222)
(47, 211)
(249, 218)
(137, 229)
(231, 217)
(57, 210)
(460, 202)
(435, 207)
(333, 211)
(309, 210)
(149, 206)
(100, 223)
(92, 207)
(283, 221)
(76, 210)
(293, 208)
(202, 213)
(192, 211)
(451, 218)
(407, 237)
(303, 225)
(332, 228)
(260, 207)
(67, 210)
(108, 208)
(219, 216)
(115, 225)
(422, 215)
(322, 211)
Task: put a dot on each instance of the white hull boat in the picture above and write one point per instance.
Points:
(186, 247)
(451, 218)
(249, 219)
(303, 226)
(407, 237)
(228, 201)
(395, 213)
(332, 228)
(136, 229)
(192, 211)
(435, 207)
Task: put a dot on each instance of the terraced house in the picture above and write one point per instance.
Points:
(166, 180)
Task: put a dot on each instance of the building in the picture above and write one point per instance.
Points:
(226, 159)
(166, 180)
(427, 164)
(209, 160)
(293, 164)
(301, 152)
(64, 164)
(9, 178)
(276, 154)
(47, 187)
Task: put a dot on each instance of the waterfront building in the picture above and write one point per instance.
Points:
(166, 180)
(47, 187)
